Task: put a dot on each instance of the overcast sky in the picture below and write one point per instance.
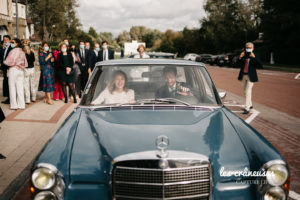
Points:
(118, 15)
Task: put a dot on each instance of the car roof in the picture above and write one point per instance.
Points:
(147, 61)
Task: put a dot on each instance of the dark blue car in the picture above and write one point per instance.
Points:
(156, 129)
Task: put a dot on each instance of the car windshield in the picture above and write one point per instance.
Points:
(149, 85)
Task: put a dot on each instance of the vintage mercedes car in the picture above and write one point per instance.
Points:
(156, 129)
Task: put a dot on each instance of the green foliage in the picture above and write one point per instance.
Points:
(54, 20)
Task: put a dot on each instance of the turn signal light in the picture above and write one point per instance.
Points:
(32, 190)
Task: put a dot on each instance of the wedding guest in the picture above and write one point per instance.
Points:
(16, 60)
(46, 60)
(29, 76)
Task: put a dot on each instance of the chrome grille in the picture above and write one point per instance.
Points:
(188, 183)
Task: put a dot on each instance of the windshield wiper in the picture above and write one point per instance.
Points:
(163, 100)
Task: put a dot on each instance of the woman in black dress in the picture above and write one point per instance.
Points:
(64, 66)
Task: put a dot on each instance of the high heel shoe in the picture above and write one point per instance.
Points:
(50, 102)
(66, 100)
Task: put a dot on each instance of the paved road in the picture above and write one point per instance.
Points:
(278, 90)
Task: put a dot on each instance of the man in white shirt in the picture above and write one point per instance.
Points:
(105, 53)
(141, 49)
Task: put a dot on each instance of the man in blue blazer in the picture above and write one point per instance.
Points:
(105, 53)
(248, 63)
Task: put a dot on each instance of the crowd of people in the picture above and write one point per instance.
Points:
(62, 68)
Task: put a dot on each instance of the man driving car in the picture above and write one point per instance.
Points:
(172, 88)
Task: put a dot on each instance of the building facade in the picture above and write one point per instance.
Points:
(8, 16)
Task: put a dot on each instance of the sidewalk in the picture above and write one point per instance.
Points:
(22, 136)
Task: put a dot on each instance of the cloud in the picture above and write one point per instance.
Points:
(118, 15)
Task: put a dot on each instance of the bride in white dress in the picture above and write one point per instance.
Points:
(117, 91)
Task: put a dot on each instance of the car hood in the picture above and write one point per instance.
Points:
(104, 135)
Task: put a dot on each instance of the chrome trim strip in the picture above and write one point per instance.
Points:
(173, 154)
(167, 169)
(164, 184)
(273, 162)
(170, 198)
(149, 105)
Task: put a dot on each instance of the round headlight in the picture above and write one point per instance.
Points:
(43, 178)
(46, 195)
(275, 193)
(277, 175)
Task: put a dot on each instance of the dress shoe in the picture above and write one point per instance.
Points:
(251, 107)
(6, 101)
(245, 112)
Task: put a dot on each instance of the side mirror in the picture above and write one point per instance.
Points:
(222, 95)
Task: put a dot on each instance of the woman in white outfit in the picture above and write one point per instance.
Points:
(29, 76)
(117, 91)
(16, 60)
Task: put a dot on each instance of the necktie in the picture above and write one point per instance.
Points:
(246, 65)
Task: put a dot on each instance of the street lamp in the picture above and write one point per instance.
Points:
(17, 31)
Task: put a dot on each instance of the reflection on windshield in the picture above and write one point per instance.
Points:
(182, 85)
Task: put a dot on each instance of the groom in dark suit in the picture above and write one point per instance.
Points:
(172, 88)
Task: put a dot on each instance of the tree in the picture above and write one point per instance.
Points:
(107, 36)
(138, 32)
(54, 20)
(230, 23)
(123, 37)
(281, 30)
(92, 32)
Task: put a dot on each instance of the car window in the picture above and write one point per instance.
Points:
(113, 85)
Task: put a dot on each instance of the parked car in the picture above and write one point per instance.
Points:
(222, 60)
(212, 60)
(190, 56)
(158, 55)
(204, 58)
(158, 143)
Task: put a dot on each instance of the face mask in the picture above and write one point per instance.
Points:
(7, 44)
(12, 45)
(248, 50)
(67, 43)
(46, 48)
(97, 49)
(87, 47)
(104, 46)
(81, 46)
(63, 49)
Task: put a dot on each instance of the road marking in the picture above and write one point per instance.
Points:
(294, 195)
(298, 76)
(254, 114)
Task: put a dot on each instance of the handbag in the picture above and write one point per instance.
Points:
(70, 73)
